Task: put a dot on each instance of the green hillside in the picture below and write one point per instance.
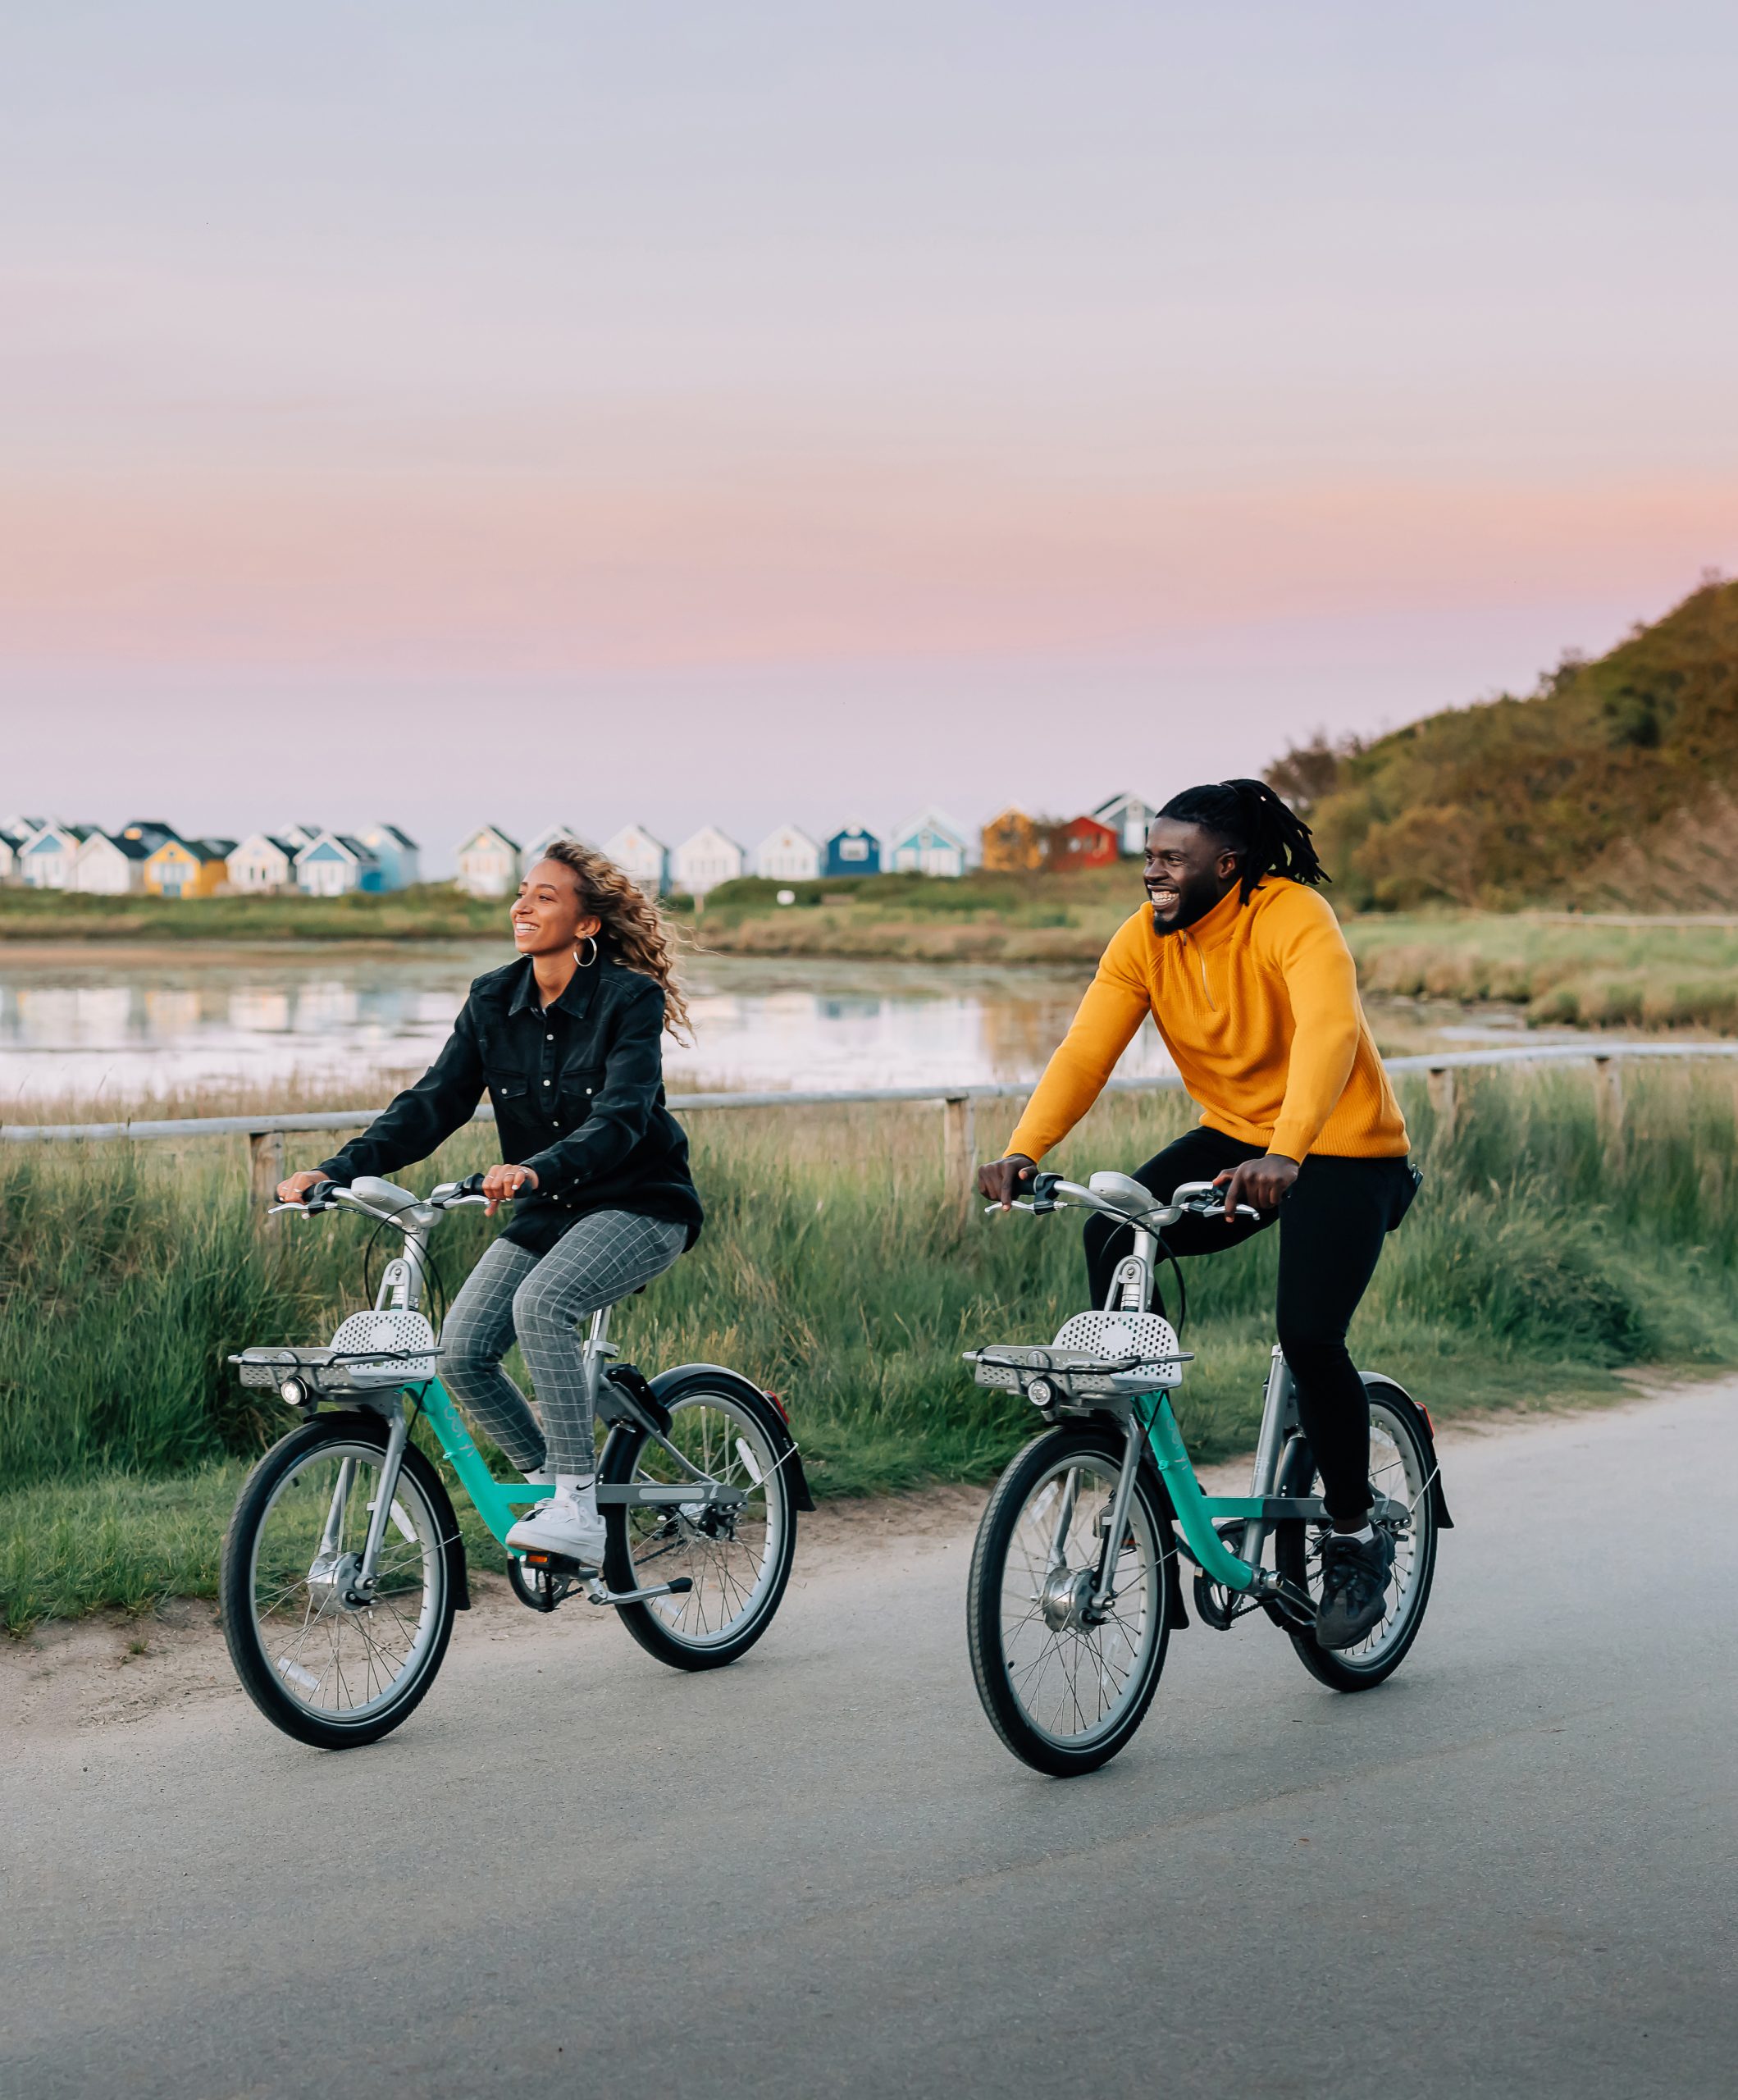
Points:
(1614, 786)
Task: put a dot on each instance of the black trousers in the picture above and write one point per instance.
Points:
(1331, 1225)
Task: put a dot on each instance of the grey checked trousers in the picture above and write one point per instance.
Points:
(541, 1299)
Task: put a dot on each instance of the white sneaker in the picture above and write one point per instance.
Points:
(562, 1525)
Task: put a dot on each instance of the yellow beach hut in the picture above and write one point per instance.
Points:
(189, 867)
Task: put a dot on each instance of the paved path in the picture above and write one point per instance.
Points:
(1510, 1871)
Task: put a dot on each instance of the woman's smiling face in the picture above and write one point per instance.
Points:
(549, 914)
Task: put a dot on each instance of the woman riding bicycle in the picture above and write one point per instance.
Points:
(567, 1041)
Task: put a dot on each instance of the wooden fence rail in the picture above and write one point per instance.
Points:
(266, 1133)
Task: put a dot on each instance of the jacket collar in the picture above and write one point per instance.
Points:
(574, 1001)
(1217, 927)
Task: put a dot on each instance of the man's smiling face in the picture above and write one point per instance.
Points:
(1189, 870)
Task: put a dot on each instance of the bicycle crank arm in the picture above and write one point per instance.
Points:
(679, 1587)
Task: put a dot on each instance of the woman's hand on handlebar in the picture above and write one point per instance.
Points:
(296, 1190)
(1000, 1180)
(502, 1184)
(1262, 1182)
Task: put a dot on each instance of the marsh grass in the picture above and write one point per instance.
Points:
(1547, 1253)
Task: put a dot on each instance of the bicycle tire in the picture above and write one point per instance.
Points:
(990, 1667)
(259, 1675)
(1346, 1671)
(628, 1564)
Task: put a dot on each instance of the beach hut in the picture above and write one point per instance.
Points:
(396, 854)
(263, 865)
(335, 864)
(930, 844)
(855, 850)
(187, 867)
(534, 849)
(296, 836)
(711, 857)
(10, 843)
(641, 858)
(488, 863)
(46, 858)
(1082, 843)
(1130, 818)
(1012, 842)
(111, 863)
(788, 855)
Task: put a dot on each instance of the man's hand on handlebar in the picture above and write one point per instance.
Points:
(1000, 1180)
(1262, 1182)
(296, 1190)
(502, 1184)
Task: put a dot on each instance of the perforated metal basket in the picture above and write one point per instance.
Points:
(370, 1350)
(1095, 1356)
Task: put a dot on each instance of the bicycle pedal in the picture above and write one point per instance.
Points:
(558, 1564)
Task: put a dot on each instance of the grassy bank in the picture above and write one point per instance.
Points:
(1594, 972)
(433, 911)
(1542, 1259)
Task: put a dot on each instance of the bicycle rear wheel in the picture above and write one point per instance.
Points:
(1065, 1687)
(1400, 1468)
(736, 1558)
(321, 1662)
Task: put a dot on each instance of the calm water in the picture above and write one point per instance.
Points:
(124, 1026)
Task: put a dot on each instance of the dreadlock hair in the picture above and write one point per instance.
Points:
(632, 928)
(1253, 822)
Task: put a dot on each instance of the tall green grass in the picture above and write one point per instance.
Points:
(1546, 1253)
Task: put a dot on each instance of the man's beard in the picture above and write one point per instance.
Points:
(1194, 900)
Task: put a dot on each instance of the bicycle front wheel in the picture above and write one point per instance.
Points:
(322, 1660)
(1066, 1684)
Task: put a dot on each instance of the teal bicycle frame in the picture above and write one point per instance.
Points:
(1152, 1420)
(498, 1503)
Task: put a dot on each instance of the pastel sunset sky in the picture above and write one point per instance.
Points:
(743, 411)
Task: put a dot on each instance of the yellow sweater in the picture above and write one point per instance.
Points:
(1258, 1005)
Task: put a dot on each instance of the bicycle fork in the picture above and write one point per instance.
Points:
(354, 1588)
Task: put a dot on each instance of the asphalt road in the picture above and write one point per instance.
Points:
(1511, 1870)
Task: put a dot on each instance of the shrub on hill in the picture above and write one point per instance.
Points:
(1613, 784)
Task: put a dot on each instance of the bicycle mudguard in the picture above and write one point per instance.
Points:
(670, 1386)
(1391, 1390)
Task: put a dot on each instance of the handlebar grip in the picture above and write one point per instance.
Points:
(471, 1185)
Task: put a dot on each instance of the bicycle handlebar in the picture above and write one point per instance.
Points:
(1189, 1198)
(333, 1195)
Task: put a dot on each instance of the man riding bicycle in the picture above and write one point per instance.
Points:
(1244, 970)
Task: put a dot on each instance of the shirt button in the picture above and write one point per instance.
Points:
(588, 1089)
(549, 1038)
(546, 1083)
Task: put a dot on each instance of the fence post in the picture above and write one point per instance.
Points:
(959, 1149)
(266, 1157)
(1439, 1080)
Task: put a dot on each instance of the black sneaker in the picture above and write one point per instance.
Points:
(1354, 1581)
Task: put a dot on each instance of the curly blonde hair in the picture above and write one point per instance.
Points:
(633, 928)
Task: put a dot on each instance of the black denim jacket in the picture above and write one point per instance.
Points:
(578, 1094)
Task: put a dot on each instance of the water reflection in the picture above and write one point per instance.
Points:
(127, 1026)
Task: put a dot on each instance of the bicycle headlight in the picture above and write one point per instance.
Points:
(1040, 1392)
(293, 1393)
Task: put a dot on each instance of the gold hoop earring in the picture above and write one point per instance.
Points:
(578, 964)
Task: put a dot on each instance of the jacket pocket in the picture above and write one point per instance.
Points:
(580, 1086)
(506, 1086)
